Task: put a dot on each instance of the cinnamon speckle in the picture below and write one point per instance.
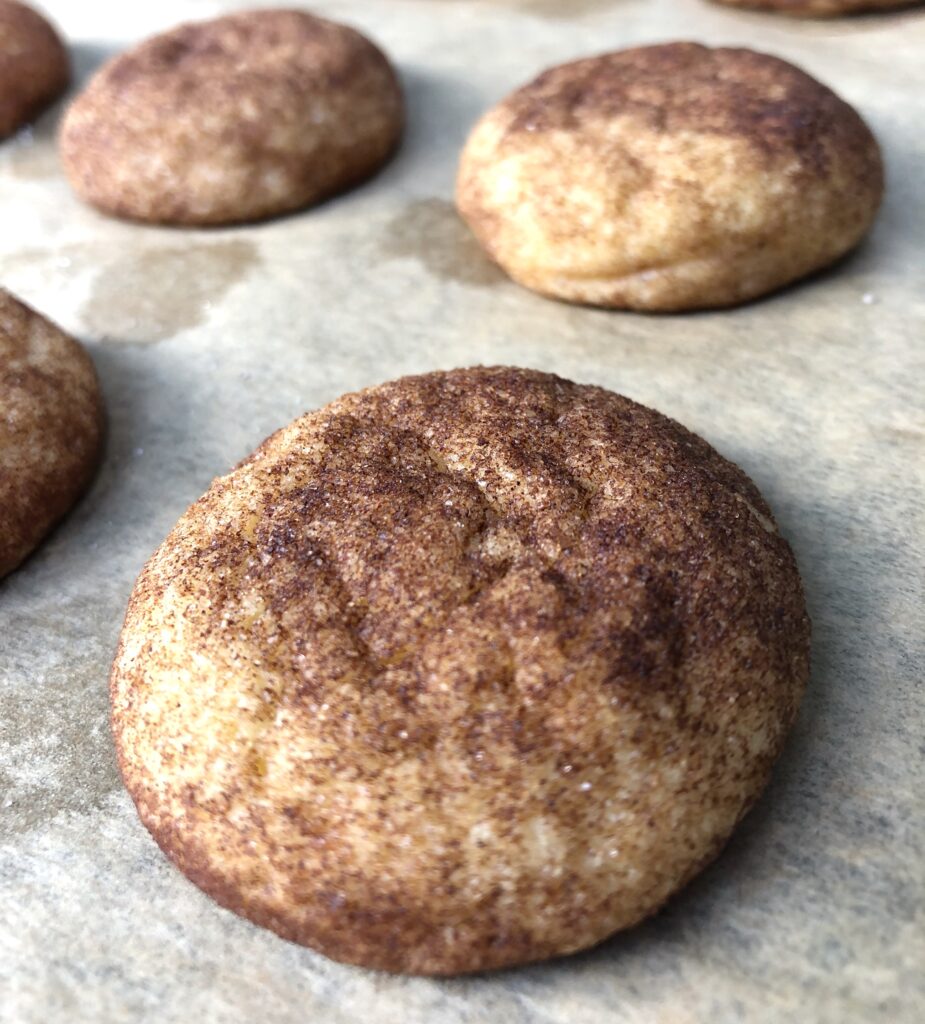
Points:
(463, 705)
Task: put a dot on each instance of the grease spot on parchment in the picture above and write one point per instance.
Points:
(154, 294)
(430, 231)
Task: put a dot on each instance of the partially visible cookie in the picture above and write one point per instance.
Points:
(668, 178)
(462, 671)
(34, 65)
(236, 119)
(821, 8)
(51, 427)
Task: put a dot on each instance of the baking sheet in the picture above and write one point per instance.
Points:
(208, 341)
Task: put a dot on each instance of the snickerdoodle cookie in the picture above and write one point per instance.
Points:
(34, 65)
(236, 119)
(822, 8)
(669, 177)
(465, 670)
(51, 424)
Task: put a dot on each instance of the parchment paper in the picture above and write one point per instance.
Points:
(207, 341)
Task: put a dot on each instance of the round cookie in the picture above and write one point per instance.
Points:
(462, 671)
(34, 65)
(668, 178)
(51, 427)
(236, 119)
(821, 8)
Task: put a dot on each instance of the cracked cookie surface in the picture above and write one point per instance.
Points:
(465, 670)
(669, 177)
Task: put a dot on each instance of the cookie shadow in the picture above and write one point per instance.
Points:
(58, 597)
(440, 111)
(853, 265)
(86, 59)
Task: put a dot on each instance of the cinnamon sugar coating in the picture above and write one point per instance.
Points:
(34, 65)
(236, 119)
(51, 426)
(463, 671)
(668, 178)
